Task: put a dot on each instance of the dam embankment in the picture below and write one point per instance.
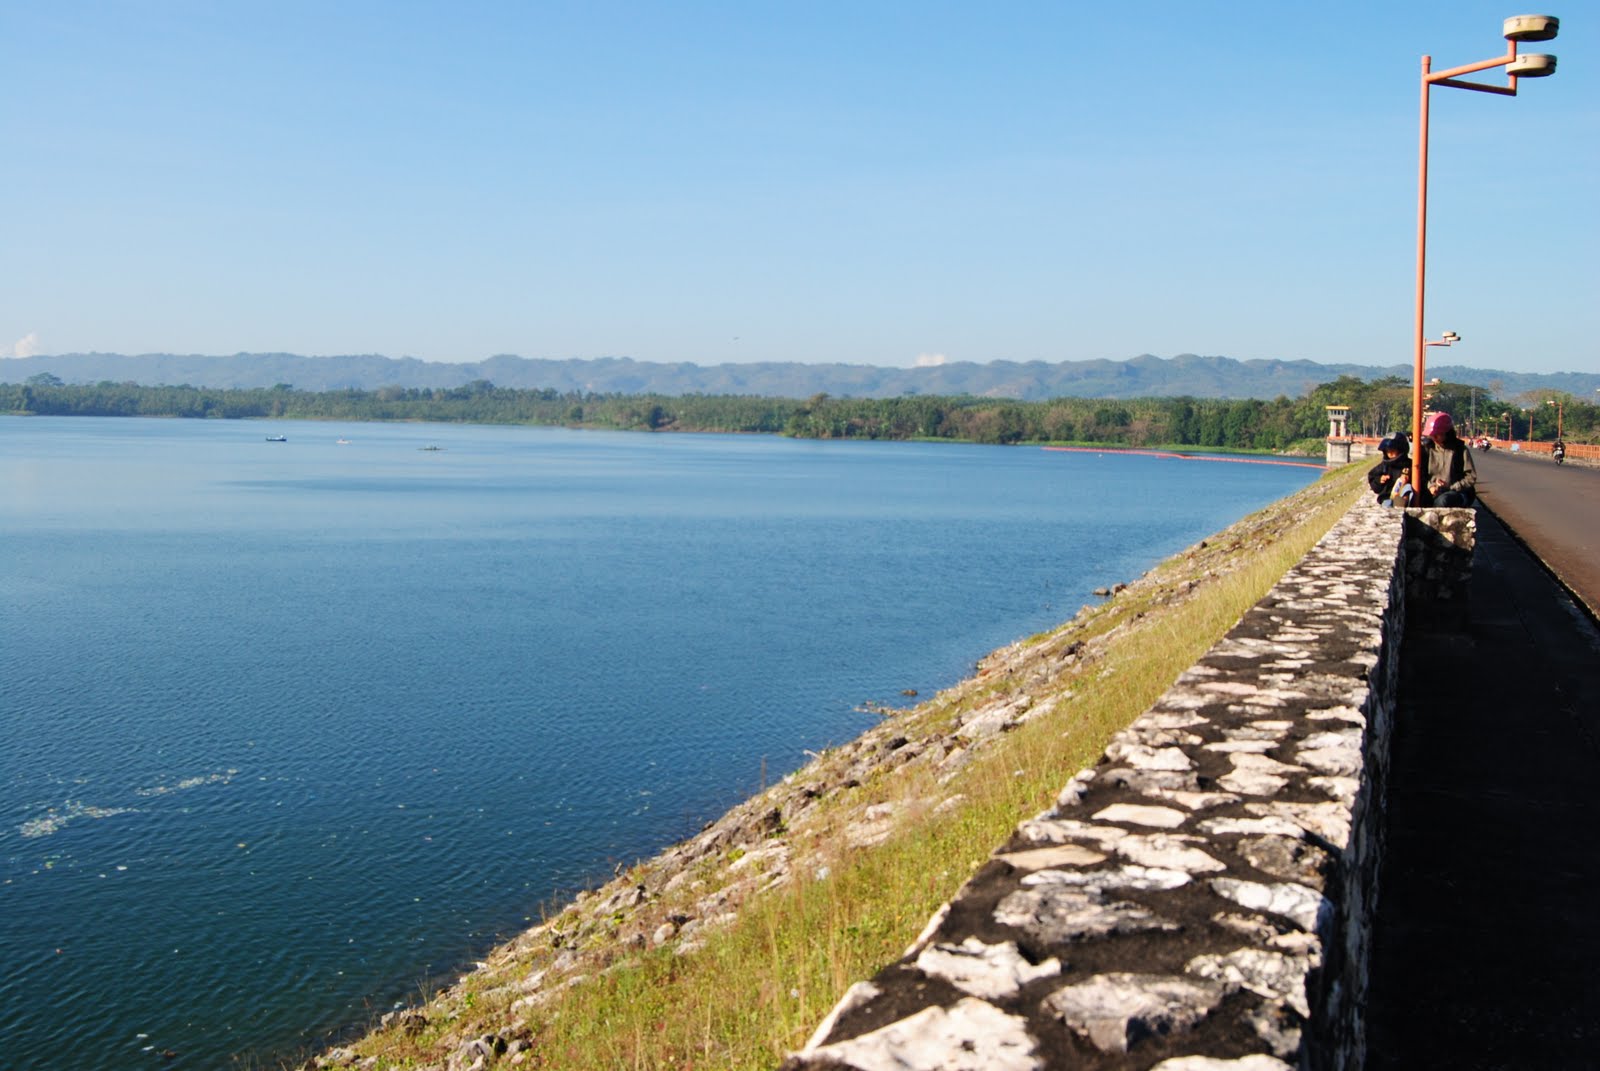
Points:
(1207, 895)
(1351, 835)
(1208, 889)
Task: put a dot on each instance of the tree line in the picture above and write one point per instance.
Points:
(1378, 407)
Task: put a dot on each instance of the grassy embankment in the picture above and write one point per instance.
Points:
(754, 987)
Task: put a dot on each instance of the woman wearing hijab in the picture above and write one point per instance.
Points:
(1448, 475)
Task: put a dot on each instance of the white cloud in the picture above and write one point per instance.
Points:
(26, 346)
(929, 360)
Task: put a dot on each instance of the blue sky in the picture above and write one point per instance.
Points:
(874, 183)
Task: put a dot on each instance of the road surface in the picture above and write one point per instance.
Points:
(1486, 934)
(1553, 509)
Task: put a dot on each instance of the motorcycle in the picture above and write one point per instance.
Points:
(1559, 452)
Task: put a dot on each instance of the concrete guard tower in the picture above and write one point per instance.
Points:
(1339, 441)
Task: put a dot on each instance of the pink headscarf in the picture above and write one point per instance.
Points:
(1438, 424)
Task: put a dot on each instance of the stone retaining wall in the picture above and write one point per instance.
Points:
(1200, 899)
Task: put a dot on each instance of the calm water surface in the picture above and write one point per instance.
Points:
(289, 728)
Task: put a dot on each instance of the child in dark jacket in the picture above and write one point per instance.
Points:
(1389, 475)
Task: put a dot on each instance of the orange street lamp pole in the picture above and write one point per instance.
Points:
(1533, 65)
(1557, 403)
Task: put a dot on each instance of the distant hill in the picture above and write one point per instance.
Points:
(1138, 377)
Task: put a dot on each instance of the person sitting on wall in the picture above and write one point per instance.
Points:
(1388, 477)
(1448, 476)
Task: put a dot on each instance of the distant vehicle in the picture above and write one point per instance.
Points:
(277, 438)
(1559, 452)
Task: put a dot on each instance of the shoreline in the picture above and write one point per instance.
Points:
(1181, 451)
(697, 891)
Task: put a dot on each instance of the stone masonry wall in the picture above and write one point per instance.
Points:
(1201, 899)
(1438, 556)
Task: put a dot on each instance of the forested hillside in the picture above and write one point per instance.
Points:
(1377, 408)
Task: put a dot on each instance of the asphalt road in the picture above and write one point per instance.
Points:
(1486, 933)
(1554, 510)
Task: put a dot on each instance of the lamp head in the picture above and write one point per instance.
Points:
(1531, 27)
(1451, 336)
(1532, 65)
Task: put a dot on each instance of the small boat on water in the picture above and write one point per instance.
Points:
(342, 442)
(429, 449)
(277, 438)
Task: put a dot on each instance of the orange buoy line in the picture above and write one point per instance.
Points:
(1183, 457)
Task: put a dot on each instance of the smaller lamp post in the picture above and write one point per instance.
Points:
(1559, 406)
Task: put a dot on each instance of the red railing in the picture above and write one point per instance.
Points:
(1586, 451)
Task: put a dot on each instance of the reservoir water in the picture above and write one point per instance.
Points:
(288, 729)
